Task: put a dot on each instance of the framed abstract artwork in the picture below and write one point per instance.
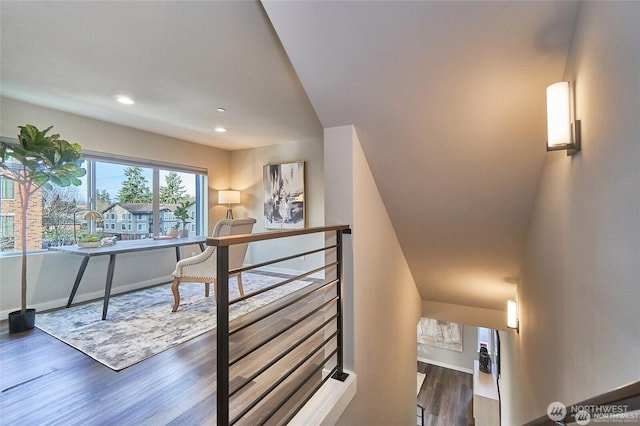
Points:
(442, 334)
(284, 196)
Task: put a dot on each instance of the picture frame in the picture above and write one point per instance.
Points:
(284, 195)
(441, 334)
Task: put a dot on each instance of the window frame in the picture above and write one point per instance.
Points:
(92, 157)
(7, 186)
(201, 184)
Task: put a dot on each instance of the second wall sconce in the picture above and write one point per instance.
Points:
(562, 132)
(228, 198)
(512, 315)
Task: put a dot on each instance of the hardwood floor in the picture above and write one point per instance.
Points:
(446, 395)
(45, 382)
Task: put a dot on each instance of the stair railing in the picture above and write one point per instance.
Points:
(223, 361)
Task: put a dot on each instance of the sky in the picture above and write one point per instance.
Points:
(110, 176)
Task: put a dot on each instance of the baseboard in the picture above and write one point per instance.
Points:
(60, 303)
(327, 405)
(445, 365)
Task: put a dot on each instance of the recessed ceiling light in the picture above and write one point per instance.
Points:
(220, 110)
(220, 129)
(124, 99)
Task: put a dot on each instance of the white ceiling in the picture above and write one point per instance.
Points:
(447, 99)
(180, 61)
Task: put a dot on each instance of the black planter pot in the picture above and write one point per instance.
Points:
(19, 322)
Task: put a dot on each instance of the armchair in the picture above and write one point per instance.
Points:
(202, 267)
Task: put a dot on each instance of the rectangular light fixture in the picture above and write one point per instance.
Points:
(562, 133)
(512, 315)
(228, 198)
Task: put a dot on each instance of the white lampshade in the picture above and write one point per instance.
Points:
(229, 197)
(558, 115)
(512, 314)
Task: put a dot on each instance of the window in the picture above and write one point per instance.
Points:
(484, 337)
(7, 189)
(7, 239)
(6, 228)
(147, 188)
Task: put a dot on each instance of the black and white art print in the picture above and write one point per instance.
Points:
(284, 196)
(442, 334)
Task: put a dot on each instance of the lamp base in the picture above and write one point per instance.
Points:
(229, 213)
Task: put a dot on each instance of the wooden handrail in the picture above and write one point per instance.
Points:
(628, 395)
(230, 240)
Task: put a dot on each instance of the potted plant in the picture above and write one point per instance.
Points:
(36, 162)
(88, 240)
(182, 213)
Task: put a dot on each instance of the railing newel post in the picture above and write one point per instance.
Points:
(222, 315)
(339, 374)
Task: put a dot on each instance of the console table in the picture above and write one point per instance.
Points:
(121, 247)
(486, 399)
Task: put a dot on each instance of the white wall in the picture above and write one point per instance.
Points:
(384, 299)
(471, 315)
(51, 275)
(579, 289)
(246, 176)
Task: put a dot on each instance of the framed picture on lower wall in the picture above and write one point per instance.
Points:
(284, 196)
(442, 334)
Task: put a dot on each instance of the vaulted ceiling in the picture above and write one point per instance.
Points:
(447, 99)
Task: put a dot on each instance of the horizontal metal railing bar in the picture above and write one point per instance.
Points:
(230, 240)
(283, 354)
(311, 394)
(281, 259)
(302, 383)
(282, 378)
(279, 284)
(285, 329)
(286, 305)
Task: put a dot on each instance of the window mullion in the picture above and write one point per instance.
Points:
(156, 201)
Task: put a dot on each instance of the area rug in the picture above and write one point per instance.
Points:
(140, 324)
(421, 377)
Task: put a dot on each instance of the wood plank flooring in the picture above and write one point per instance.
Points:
(446, 395)
(45, 382)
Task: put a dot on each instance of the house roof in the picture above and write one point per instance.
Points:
(141, 208)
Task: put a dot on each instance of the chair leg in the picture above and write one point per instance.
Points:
(240, 288)
(206, 289)
(176, 294)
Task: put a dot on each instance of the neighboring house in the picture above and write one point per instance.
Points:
(11, 221)
(132, 221)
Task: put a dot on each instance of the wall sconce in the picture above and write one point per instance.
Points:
(512, 315)
(228, 198)
(561, 132)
